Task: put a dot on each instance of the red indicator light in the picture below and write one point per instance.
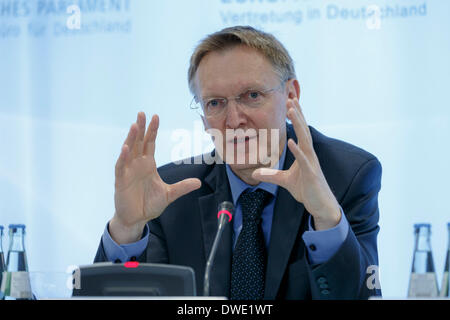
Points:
(131, 264)
(224, 212)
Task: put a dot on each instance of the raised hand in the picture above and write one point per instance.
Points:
(140, 193)
(304, 179)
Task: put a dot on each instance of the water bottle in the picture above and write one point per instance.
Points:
(423, 280)
(2, 261)
(17, 284)
(445, 278)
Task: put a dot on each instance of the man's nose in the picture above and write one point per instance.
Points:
(235, 117)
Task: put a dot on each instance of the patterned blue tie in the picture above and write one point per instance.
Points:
(248, 268)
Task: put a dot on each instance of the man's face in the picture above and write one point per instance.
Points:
(228, 74)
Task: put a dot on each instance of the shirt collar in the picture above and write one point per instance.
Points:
(238, 186)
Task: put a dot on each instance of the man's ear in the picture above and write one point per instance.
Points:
(293, 89)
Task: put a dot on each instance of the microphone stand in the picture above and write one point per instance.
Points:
(223, 220)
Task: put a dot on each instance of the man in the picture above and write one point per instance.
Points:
(305, 227)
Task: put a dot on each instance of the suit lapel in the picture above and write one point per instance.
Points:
(221, 269)
(286, 222)
(287, 217)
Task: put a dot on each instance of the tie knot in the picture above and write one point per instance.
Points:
(253, 202)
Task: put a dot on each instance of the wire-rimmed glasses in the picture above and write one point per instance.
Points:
(214, 107)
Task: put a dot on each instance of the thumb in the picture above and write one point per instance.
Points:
(270, 175)
(183, 187)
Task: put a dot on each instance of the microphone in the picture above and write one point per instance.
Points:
(224, 215)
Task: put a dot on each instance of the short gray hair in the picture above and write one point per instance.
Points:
(264, 42)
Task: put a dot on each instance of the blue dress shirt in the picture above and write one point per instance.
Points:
(321, 245)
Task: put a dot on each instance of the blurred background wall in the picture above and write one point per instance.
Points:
(374, 73)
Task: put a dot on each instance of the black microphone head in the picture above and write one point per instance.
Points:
(227, 208)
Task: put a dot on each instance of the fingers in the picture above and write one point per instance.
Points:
(274, 176)
(300, 126)
(283, 177)
(127, 147)
(140, 134)
(120, 164)
(298, 153)
(181, 188)
(130, 141)
(150, 137)
(133, 144)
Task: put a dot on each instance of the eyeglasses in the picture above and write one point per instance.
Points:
(214, 107)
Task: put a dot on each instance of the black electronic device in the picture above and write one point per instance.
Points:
(133, 279)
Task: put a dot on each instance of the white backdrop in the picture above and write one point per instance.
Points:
(373, 73)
